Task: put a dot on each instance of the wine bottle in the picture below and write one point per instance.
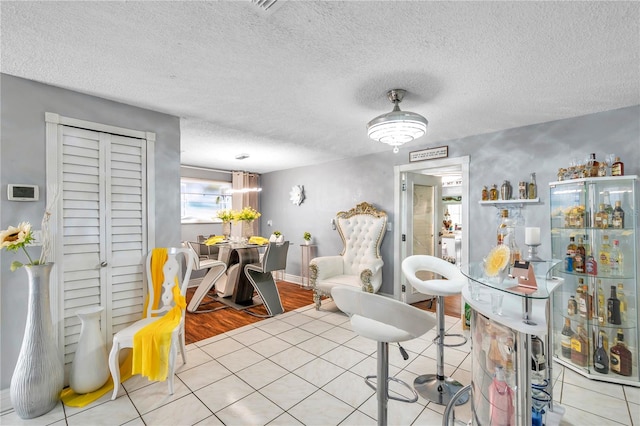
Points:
(616, 260)
(613, 308)
(600, 357)
(623, 302)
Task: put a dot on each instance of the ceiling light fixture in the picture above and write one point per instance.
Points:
(242, 156)
(397, 127)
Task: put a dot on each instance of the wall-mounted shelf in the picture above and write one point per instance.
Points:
(522, 202)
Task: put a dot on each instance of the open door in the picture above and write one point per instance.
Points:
(422, 213)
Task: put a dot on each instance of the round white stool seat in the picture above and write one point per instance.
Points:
(449, 287)
(437, 387)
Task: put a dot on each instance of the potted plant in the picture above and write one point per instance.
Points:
(247, 215)
(277, 237)
(226, 216)
(307, 238)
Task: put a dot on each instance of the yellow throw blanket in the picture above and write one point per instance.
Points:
(214, 240)
(152, 343)
(258, 240)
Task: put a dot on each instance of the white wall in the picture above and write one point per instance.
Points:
(23, 104)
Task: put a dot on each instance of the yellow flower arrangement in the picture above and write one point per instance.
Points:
(246, 214)
(226, 215)
(497, 260)
(14, 239)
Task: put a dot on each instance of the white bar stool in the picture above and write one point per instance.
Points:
(437, 387)
(384, 320)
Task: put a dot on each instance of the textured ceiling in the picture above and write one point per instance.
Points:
(296, 85)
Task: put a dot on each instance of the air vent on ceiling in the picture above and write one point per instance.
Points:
(264, 4)
(242, 156)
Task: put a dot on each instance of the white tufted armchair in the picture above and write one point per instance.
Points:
(359, 265)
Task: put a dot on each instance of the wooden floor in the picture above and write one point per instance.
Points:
(204, 325)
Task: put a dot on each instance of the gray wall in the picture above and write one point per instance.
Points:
(22, 160)
(509, 154)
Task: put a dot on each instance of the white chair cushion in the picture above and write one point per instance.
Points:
(339, 280)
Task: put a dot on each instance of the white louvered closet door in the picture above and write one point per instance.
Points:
(102, 234)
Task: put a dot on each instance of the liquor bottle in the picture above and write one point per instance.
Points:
(579, 258)
(601, 219)
(503, 228)
(581, 296)
(618, 216)
(605, 255)
(591, 266)
(617, 168)
(623, 302)
(565, 341)
(602, 315)
(593, 165)
(602, 169)
(568, 263)
(572, 305)
(588, 300)
(493, 192)
(485, 193)
(587, 246)
(620, 356)
(572, 247)
(532, 191)
(613, 308)
(616, 260)
(607, 207)
(579, 347)
(600, 357)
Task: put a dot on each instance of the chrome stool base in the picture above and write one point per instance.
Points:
(367, 380)
(439, 391)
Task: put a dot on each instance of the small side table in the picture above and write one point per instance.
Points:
(308, 253)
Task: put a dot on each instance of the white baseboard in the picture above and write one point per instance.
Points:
(5, 402)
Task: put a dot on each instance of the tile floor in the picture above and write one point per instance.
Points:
(306, 367)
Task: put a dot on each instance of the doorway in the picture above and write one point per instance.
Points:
(405, 178)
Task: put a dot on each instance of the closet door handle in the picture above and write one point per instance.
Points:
(103, 264)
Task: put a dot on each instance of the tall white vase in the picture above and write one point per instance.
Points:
(38, 377)
(90, 367)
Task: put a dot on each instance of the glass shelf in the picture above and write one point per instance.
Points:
(509, 202)
(545, 280)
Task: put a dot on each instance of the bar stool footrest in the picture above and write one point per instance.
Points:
(436, 340)
(367, 380)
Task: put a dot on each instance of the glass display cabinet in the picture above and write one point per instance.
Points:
(594, 229)
(511, 373)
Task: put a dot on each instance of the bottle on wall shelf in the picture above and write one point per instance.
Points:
(605, 255)
(620, 356)
(532, 190)
(565, 340)
(485, 193)
(617, 168)
(616, 259)
(493, 192)
(613, 308)
(617, 220)
(522, 190)
(600, 357)
(602, 169)
(506, 190)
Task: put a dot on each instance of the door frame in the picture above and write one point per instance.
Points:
(430, 167)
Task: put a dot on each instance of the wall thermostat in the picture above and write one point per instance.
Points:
(19, 192)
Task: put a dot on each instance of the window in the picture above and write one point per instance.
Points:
(201, 199)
